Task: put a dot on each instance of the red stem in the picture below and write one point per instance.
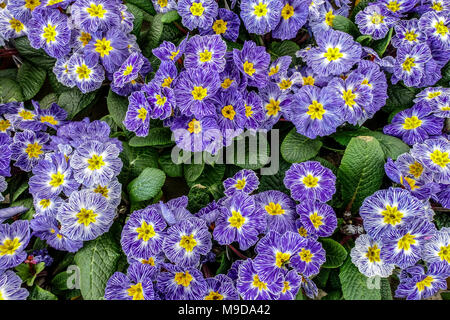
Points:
(237, 252)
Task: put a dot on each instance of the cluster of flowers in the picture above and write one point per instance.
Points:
(399, 222)
(88, 38)
(167, 246)
(73, 183)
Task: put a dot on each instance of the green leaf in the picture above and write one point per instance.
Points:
(74, 101)
(10, 91)
(157, 137)
(193, 171)
(381, 45)
(364, 40)
(146, 185)
(59, 282)
(284, 48)
(97, 261)
(198, 198)
(170, 16)
(9, 73)
(322, 278)
(37, 293)
(445, 72)
(23, 187)
(171, 169)
(28, 203)
(385, 289)
(31, 79)
(399, 98)
(275, 181)
(153, 35)
(37, 56)
(48, 100)
(355, 285)
(135, 160)
(344, 24)
(361, 171)
(138, 18)
(29, 275)
(225, 264)
(145, 5)
(335, 253)
(117, 107)
(298, 148)
(256, 152)
(57, 86)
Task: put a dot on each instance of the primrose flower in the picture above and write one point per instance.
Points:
(410, 64)
(253, 62)
(206, 52)
(28, 148)
(250, 286)
(275, 103)
(62, 72)
(336, 53)
(293, 16)
(440, 107)
(163, 6)
(226, 24)
(435, 155)
(52, 117)
(179, 283)
(46, 206)
(375, 20)
(279, 66)
(279, 208)
(221, 287)
(5, 151)
(18, 117)
(161, 100)
(309, 258)
(10, 286)
(111, 191)
(437, 248)
(22, 9)
(261, 16)
(197, 13)
(389, 209)
(165, 75)
(244, 181)
(96, 15)
(239, 220)
(129, 71)
(317, 217)
(254, 111)
(137, 118)
(408, 32)
(436, 27)
(11, 27)
(291, 285)
(230, 113)
(135, 285)
(167, 51)
(3, 186)
(85, 216)
(14, 239)
(87, 75)
(366, 255)
(397, 7)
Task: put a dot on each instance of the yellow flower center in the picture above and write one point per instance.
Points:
(160, 100)
(199, 93)
(167, 82)
(437, 6)
(308, 81)
(329, 17)
(424, 283)
(377, 18)
(227, 83)
(440, 158)
(183, 278)
(174, 54)
(85, 38)
(258, 283)
(394, 6)
(286, 286)
(96, 162)
(150, 261)
(4, 125)
(136, 292)
(260, 10)
(32, 4)
(220, 26)
(205, 56)
(142, 114)
(128, 70)
(228, 112)
(373, 254)
(44, 203)
(285, 84)
(274, 209)
(194, 126)
(305, 255)
(213, 295)
(349, 98)
(197, 9)
(274, 70)
(34, 150)
(408, 64)
(411, 36)
(248, 111)
(104, 191)
(333, 54)
(162, 3)
(391, 215)
(188, 243)
(444, 253)
(49, 119)
(145, 231)
(240, 184)
(248, 68)
(96, 10)
(9, 247)
(16, 25)
(273, 107)
(83, 72)
(366, 82)
(287, 11)
(316, 220)
(303, 232)
(282, 258)
(86, 217)
(432, 95)
(441, 28)
(52, 2)
(416, 169)
(57, 179)
(50, 33)
(316, 110)
(103, 47)
(26, 115)
(411, 183)
(412, 123)
(310, 181)
(236, 220)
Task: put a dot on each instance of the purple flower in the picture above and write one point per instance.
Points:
(407, 32)
(137, 118)
(129, 71)
(10, 26)
(226, 24)
(254, 111)
(161, 100)
(221, 287)
(96, 15)
(435, 155)
(279, 66)
(167, 51)
(28, 148)
(410, 64)
(253, 62)
(87, 75)
(261, 16)
(294, 14)
(179, 283)
(197, 13)
(135, 285)
(436, 27)
(375, 20)
(291, 285)
(14, 239)
(10, 286)
(309, 258)
(165, 75)
(244, 181)
(205, 52)
(317, 217)
(275, 103)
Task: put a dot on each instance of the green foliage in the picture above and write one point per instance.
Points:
(157, 137)
(356, 286)
(146, 185)
(298, 148)
(153, 35)
(74, 101)
(10, 91)
(31, 79)
(117, 107)
(170, 16)
(335, 253)
(344, 24)
(284, 48)
(169, 167)
(381, 45)
(37, 56)
(28, 273)
(37, 293)
(198, 198)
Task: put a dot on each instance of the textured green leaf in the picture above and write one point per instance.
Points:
(399, 98)
(170, 16)
(37, 293)
(57, 86)
(322, 278)
(381, 45)
(117, 107)
(193, 171)
(355, 285)
(37, 56)
(9, 73)
(146, 185)
(298, 148)
(361, 171)
(59, 282)
(225, 264)
(74, 101)
(10, 91)
(284, 48)
(23, 187)
(29, 275)
(157, 137)
(135, 160)
(335, 253)
(364, 40)
(385, 289)
(31, 79)
(256, 152)
(275, 181)
(28, 203)
(153, 35)
(344, 24)
(97, 261)
(171, 169)
(138, 18)
(145, 5)
(48, 100)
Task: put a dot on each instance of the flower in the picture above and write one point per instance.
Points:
(52, 117)
(130, 69)
(95, 163)
(275, 103)
(407, 32)
(161, 99)
(85, 216)
(279, 209)
(22, 9)
(137, 118)
(168, 52)
(239, 220)
(244, 181)
(96, 15)
(87, 75)
(206, 52)
(389, 209)
(135, 285)
(279, 66)
(28, 148)
(336, 53)
(436, 27)
(165, 75)
(221, 287)
(410, 64)
(226, 24)
(437, 248)
(111, 191)
(253, 62)
(366, 255)
(309, 258)
(197, 13)
(209, 213)
(310, 180)
(398, 6)
(14, 239)
(49, 30)
(163, 6)
(314, 111)
(440, 107)
(250, 286)
(46, 206)
(291, 285)
(317, 217)
(62, 72)
(180, 283)
(261, 16)
(293, 16)
(10, 286)
(11, 27)
(185, 241)
(414, 125)
(435, 155)
(375, 20)
(254, 111)
(5, 151)
(3, 186)
(193, 92)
